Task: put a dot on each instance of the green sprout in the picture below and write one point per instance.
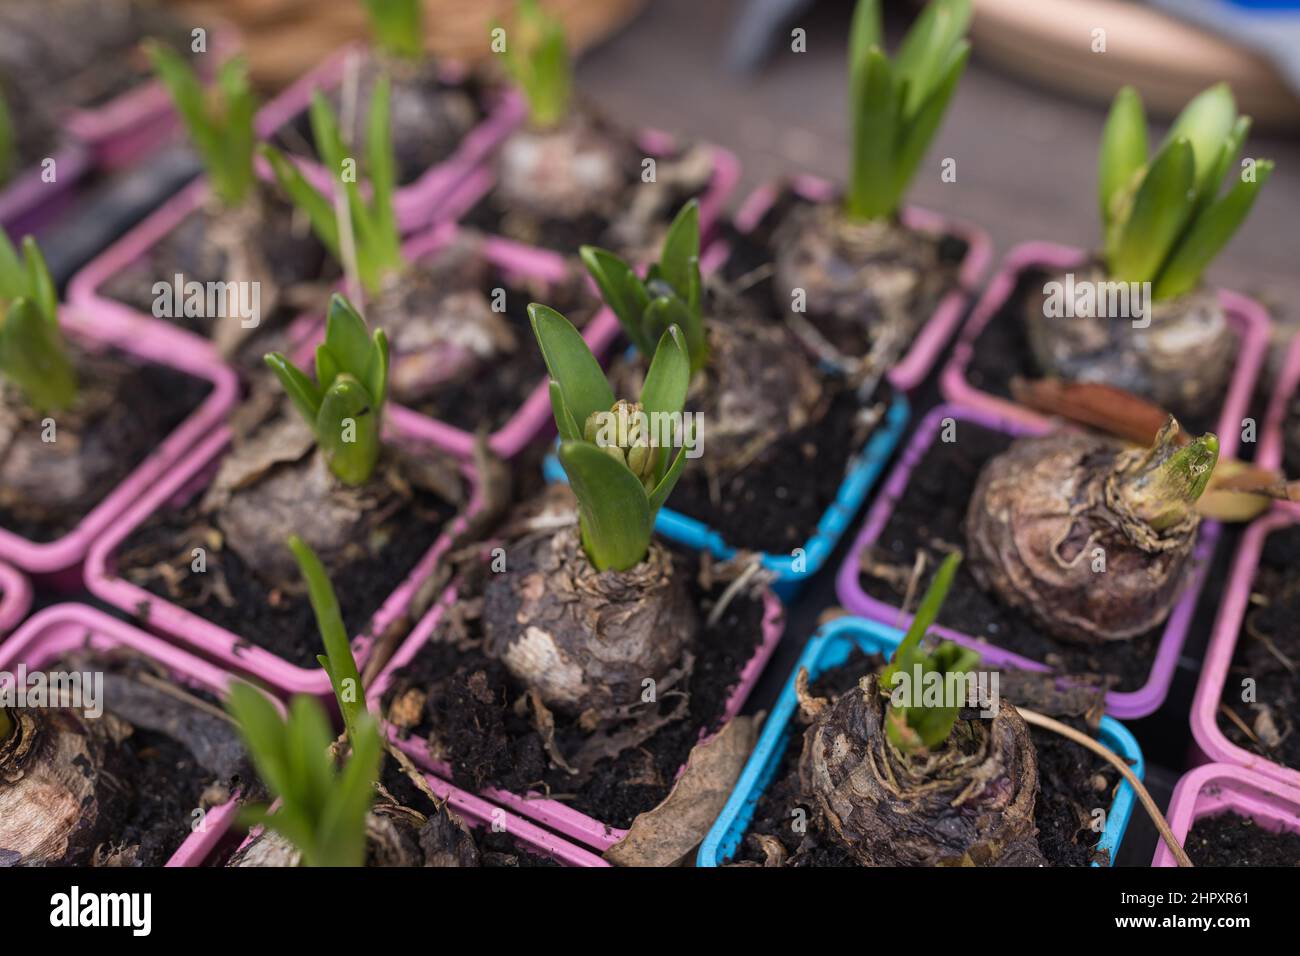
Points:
(398, 27)
(537, 59)
(32, 352)
(621, 476)
(917, 728)
(1163, 218)
(670, 294)
(373, 223)
(322, 808)
(897, 105)
(344, 404)
(219, 119)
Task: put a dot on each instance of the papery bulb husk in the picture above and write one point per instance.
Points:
(63, 787)
(866, 278)
(584, 639)
(1038, 514)
(574, 169)
(968, 803)
(1181, 361)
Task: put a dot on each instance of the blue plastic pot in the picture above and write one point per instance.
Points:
(830, 647)
(792, 570)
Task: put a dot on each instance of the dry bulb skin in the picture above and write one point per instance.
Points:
(586, 640)
(1089, 537)
(968, 802)
(864, 278)
(1182, 360)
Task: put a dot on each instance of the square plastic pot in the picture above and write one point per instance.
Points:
(830, 647)
(726, 173)
(15, 598)
(413, 204)
(1122, 704)
(1216, 788)
(792, 571)
(1245, 316)
(532, 419)
(29, 203)
(64, 628)
(58, 563)
(924, 351)
(1272, 448)
(553, 814)
(182, 484)
(1223, 643)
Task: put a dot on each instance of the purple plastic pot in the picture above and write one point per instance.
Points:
(217, 643)
(1222, 788)
(1246, 317)
(415, 203)
(912, 369)
(133, 124)
(57, 563)
(1272, 441)
(15, 598)
(552, 813)
(477, 812)
(1125, 705)
(29, 203)
(58, 630)
(533, 418)
(1218, 656)
(726, 173)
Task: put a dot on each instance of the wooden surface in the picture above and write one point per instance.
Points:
(1026, 157)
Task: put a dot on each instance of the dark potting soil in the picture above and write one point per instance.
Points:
(488, 744)
(1068, 792)
(931, 516)
(491, 397)
(1002, 351)
(1291, 438)
(1226, 839)
(755, 249)
(1268, 653)
(283, 624)
(497, 848)
(150, 401)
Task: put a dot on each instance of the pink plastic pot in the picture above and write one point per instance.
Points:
(552, 813)
(414, 204)
(938, 329)
(1218, 656)
(64, 628)
(1222, 788)
(84, 289)
(57, 563)
(215, 642)
(28, 203)
(477, 812)
(1125, 705)
(533, 418)
(1271, 441)
(15, 598)
(726, 173)
(1246, 317)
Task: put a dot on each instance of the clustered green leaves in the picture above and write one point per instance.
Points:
(398, 27)
(1163, 218)
(669, 295)
(344, 404)
(32, 352)
(537, 59)
(897, 105)
(918, 728)
(620, 487)
(323, 806)
(373, 222)
(219, 119)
